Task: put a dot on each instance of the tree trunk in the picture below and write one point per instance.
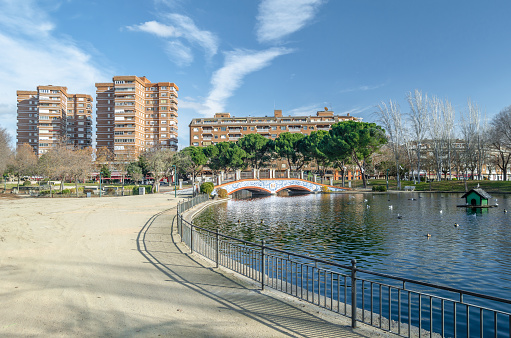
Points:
(76, 186)
(397, 177)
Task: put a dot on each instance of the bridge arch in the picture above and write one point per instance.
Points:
(274, 185)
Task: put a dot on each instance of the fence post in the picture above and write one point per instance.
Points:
(217, 240)
(191, 237)
(263, 268)
(353, 293)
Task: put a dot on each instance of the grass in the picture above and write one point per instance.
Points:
(449, 186)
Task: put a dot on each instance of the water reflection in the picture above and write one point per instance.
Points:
(385, 232)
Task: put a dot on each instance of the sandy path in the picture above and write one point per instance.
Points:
(108, 267)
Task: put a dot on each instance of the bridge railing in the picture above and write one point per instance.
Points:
(403, 306)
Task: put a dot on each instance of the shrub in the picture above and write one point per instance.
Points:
(380, 188)
(26, 183)
(44, 192)
(222, 193)
(110, 191)
(148, 189)
(207, 188)
(325, 189)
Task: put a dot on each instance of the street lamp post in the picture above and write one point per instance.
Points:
(387, 179)
(175, 180)
(100, 183)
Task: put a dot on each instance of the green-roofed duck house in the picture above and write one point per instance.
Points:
(477, 198)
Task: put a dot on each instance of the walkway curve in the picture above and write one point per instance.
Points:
(83, 267)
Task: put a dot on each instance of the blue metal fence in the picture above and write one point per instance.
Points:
(399, 305)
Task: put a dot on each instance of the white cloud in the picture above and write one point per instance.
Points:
(30, 60)
(25, 17)
(182, 28)
(362, 88)
(279, 18)
(357, 110)
(179, 53)
(207, 40)
(305, 110)
(157, 29)
(238, 64)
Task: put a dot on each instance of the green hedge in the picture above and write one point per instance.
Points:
(207, 188)
(380, 188)
(148, 189)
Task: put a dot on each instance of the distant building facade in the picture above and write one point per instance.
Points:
(222, 127)
(49, 115)
(134, 115)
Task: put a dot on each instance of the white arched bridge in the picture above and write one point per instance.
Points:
(274, 185)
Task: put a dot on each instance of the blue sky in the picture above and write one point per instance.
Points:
(248, 57)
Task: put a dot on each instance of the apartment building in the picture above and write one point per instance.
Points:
(223, 127)
(135, 115)
(49, 115)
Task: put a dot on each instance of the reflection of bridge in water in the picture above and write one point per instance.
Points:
(274, 185)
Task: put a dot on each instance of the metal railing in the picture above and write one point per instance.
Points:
(403, 306)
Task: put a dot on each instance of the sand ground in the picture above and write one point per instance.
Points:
(109, 267)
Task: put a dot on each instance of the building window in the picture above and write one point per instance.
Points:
(223, 128)
(244, 128)
(304, 127)
(195, 137)
(251, 128)
(283, 128)
(195, 129)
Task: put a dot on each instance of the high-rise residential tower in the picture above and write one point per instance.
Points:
(134, 115)
(49, 116)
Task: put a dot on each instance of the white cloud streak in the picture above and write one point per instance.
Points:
(305, 110)
(156, 28)
(34, 59)
(238, 64)
(181, 28)
(207, 40)
(280, 18)
(180, 54)
(362, 88)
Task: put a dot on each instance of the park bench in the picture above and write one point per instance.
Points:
(409, 188)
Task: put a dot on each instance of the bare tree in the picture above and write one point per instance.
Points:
(159, 163)
(79, 162)
(23, 162)
(473, 137)
(500, 139)
(435, 127)
(448, 132)
(390, 118)
(418, 115)
(5, 149)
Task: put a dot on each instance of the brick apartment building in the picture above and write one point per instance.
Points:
(224, 127)
(134, 115)
(49, 115)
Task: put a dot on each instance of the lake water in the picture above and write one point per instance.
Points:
(384, 232)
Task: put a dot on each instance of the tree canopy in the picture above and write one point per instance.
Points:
(359, 140)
